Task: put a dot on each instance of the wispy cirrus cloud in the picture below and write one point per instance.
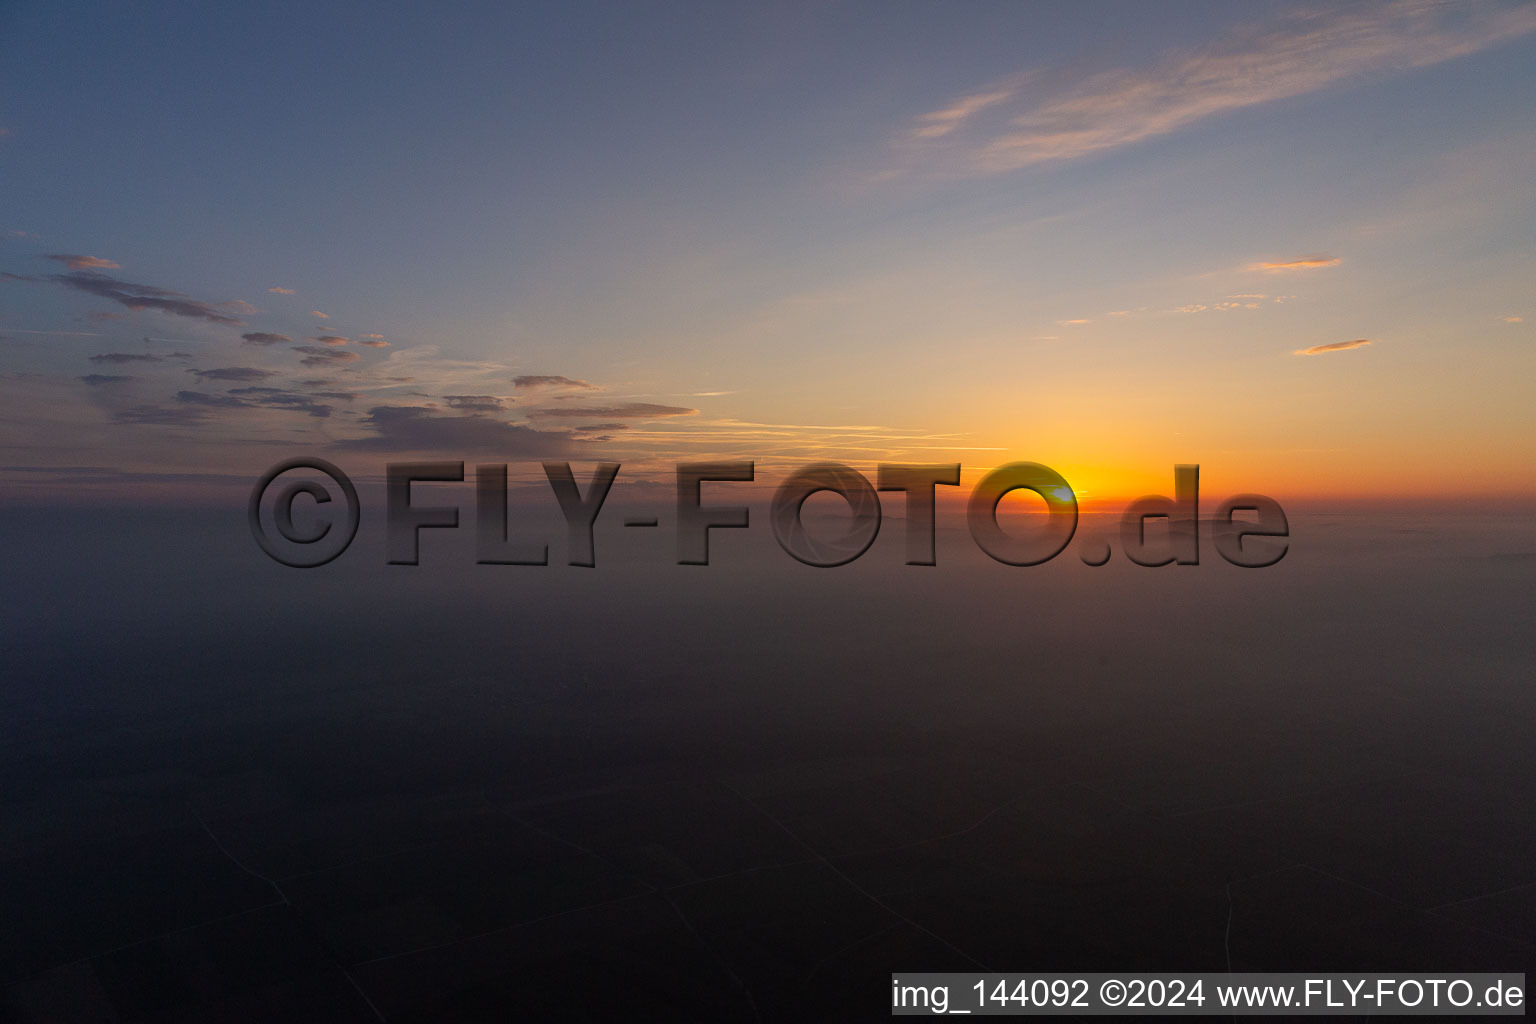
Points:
(1338, 346)
(939, 123)
(126, 357)
(239, 374)
(1303, 263)
(162, 416)
(331, 339)
(280, 291)
(1015, 123)
(74, 261)
(628, 410)
(1217, 307)
(264, 338)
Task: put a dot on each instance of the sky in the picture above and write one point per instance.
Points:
(1293, 244)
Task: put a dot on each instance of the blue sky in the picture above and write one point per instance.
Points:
(1014, 230)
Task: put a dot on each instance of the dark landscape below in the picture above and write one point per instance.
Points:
(239, 792)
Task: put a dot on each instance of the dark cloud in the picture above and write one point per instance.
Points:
(319, 355)
(77, 262)
(250, 398)
(102, 474)
(475, 403)
(126, 357)
(58, 470)
(277, 398)
(234, 373)
(339, 396)
(161, 416)
(597, 432)
(97, 379)
(294, 403)
(211, 401)
(411, 428)
(263, 338)
(552, 381)
(138, 296)
(629, 410)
